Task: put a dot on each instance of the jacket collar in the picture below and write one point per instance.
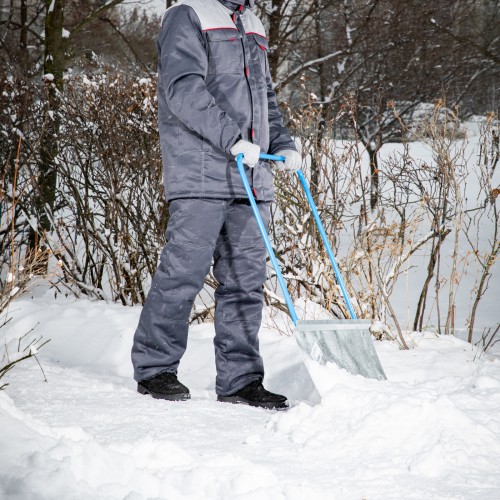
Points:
(233, 5)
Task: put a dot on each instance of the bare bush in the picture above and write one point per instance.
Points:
(484, 248)
(108, 217)
(489, 338)
(421, 203)
(17, 268)
(333, 172)
(110, 214)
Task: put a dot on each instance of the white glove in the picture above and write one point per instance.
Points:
(293, 160)
(249, 151)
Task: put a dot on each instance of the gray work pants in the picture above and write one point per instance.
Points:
(199, 230)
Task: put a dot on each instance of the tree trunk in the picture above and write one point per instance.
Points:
(54, 63)
(422, 301)
(315, 167)
(54, 57)
(374, 182)
(485, 275)
(23, 37)
(274, 34)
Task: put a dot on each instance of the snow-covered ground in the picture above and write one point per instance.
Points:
(431, 431)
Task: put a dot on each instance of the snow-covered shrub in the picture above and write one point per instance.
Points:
(110, 219)
(18, 262)
(107, 221)
(484, 247)
(421, 204)
(333, 173)
(21, 125)
(415, 118)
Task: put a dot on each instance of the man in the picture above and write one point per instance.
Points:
(215, 102)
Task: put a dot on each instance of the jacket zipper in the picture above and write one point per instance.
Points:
(247, 73)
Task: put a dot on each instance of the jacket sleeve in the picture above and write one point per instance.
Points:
(279, 137)
(182, 67)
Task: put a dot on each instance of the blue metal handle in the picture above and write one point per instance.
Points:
(329, 251)
(263, 230)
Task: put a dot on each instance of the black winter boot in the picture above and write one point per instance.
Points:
(254, 394)
(164, 386)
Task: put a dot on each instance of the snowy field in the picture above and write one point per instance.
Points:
(432, 431)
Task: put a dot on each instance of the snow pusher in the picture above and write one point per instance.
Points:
(346, 343)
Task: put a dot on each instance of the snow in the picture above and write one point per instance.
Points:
(431, 431)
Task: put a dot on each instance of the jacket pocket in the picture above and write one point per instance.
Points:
(260, 46)
(225, 52)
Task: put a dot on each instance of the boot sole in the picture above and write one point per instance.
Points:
(237, 400)
(183, 396)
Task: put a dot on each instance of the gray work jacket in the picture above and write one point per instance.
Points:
(214, 86)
